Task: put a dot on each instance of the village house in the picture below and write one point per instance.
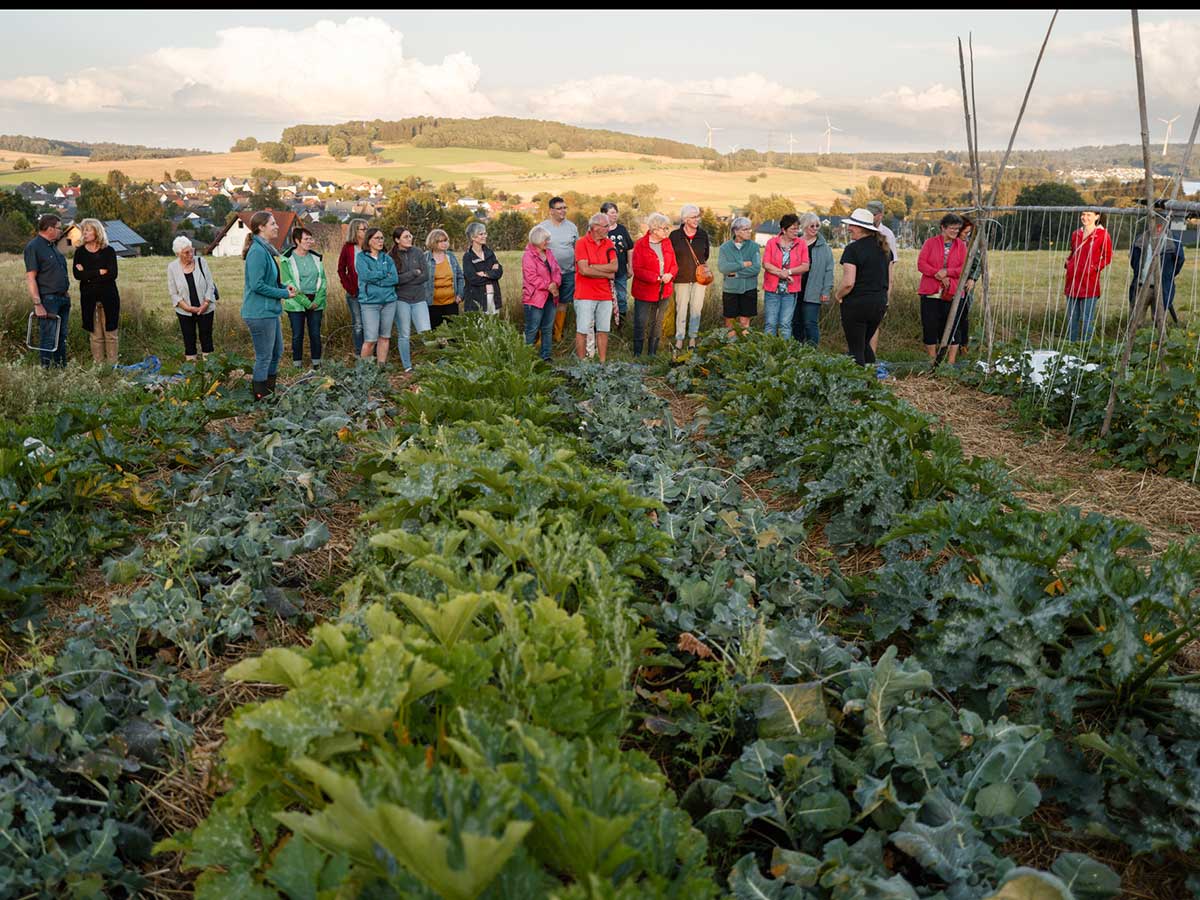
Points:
(230, 239)
(326, 187)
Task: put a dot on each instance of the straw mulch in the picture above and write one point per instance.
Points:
(1052, 469)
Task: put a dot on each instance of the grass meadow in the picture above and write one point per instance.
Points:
(1026, 295)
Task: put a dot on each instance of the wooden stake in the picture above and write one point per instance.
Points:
(945, 342)
(1152, 277)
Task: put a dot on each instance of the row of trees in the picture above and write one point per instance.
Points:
(492, 133)
(103, 150)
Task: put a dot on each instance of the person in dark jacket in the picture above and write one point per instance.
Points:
(412, 276)
(49, 287)
(1172, 265)
(482, 272)
(692, 247)
(95, 267)
(623, 241)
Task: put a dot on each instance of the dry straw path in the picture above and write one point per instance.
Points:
(1051, 470)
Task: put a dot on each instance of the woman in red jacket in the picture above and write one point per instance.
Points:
(654, 268)
(348, 275)
(940, 263)
(1091, 252)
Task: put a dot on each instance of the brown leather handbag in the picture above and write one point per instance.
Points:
(704, 274)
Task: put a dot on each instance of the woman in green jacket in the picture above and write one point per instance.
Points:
(740, 261)
(262, 300)
(302, 268)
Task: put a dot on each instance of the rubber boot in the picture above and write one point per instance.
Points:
(260, 389)
(271, 379)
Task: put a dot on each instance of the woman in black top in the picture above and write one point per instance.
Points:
(863, 292)
(482, 272)
(95, 266)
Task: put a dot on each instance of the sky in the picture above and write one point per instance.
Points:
(888, 80)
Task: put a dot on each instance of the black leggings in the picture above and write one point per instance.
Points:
(189, 325)
(310, 318)
(860, 320)
(647, 325)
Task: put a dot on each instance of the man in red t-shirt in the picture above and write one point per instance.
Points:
(595, 266)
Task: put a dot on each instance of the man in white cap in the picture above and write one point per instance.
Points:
(876, 208)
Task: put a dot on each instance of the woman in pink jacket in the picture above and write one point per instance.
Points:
(541, 280)
(784, 262)
(1091, 252)
(940, 263)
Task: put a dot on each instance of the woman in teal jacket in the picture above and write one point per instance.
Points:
(818, 281)
(740, 261)
(377, 279)
(262, 301)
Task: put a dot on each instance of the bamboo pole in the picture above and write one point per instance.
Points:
(989, 322)
(976, 185)
(954, 304)
(1144, 291)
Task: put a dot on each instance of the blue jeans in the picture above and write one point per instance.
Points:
(540, 320)
(267, 337)
(809, 329)
(309, 319)
(410, 316)
(621, 291)
(778, 309)
(54, 355)
(1081, 318)
(355, 323)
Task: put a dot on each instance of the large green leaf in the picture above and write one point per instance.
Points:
(787, 710)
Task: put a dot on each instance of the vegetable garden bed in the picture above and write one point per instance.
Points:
(578, 656)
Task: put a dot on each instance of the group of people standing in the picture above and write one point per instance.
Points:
(406, 289)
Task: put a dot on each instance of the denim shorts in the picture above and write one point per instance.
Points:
(377, 319)
(589, 313)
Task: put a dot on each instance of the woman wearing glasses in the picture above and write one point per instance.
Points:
(444, 284)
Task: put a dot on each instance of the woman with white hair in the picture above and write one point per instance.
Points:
(816, 285)
(95, 267)
(863, 293)
(541, 282)
(481, 272)
(654, 270)
(740, 261)
(691, 245)
(194, 297)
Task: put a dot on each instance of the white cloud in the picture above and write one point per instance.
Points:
(935, 98)
(1169, 59)
(624, 99)
(363, 73)
(79, 93)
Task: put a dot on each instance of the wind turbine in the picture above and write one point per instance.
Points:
(791, 144)
(1167, 139)
(710, 132)
(830, 128)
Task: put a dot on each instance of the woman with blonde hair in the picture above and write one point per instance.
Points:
(95, 267)
(262, 301)
(444, 287)
(193, 296)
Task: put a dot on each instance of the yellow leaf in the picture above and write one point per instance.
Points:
(1056, 587)
(182, 460)
(730, 518)
(170, 583)
(768, 538)
(212, 390)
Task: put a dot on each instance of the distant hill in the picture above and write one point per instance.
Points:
(493, 133)
(103, 150)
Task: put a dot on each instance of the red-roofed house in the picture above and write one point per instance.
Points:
(230, 239)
